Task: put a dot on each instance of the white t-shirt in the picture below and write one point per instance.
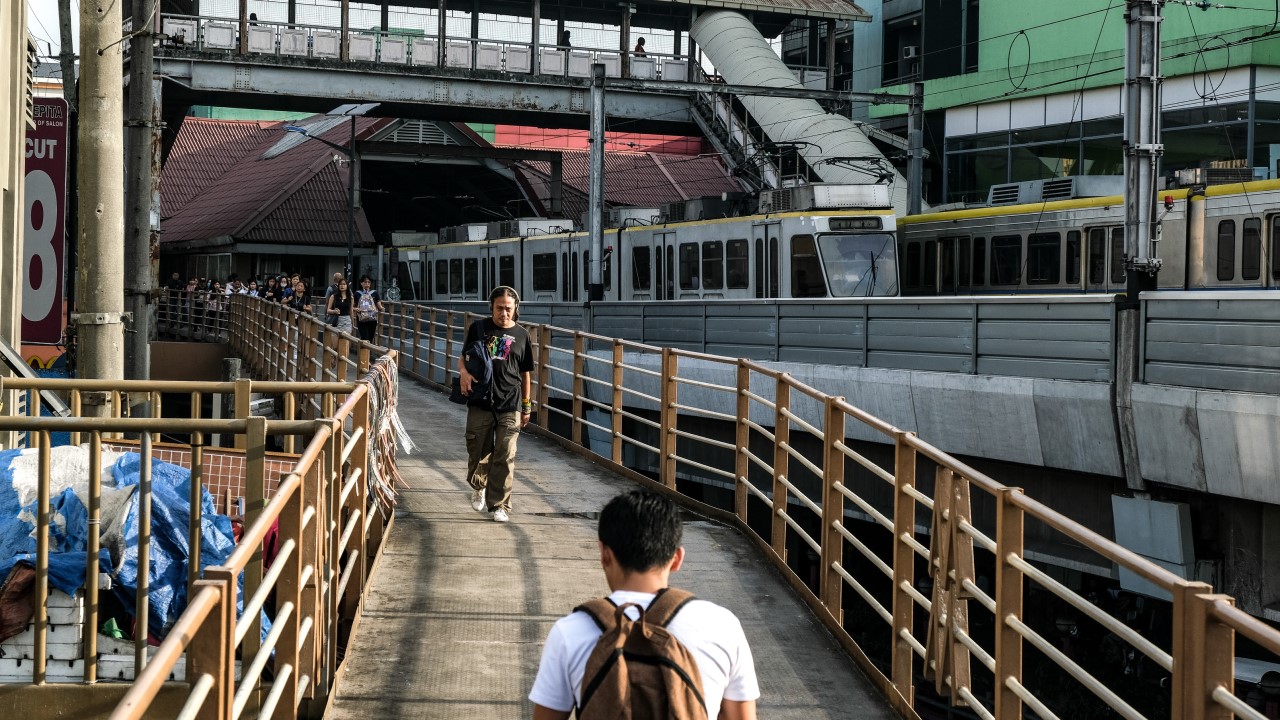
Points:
(711, 633)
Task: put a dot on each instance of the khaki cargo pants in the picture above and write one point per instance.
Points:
(491, 454)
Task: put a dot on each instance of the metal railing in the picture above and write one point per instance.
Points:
(925, 577)
(328, 508)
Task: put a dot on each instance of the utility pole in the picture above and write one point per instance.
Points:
(595, 200)
(1142, 144)
(100, 240)
(142, 252)
(67, 55)
(915, 145)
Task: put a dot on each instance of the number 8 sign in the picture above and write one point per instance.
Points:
(43, 239)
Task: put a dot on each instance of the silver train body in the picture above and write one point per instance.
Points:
(811, 254)
(1227, 238)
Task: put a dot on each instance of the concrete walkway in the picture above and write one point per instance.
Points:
(459, 609)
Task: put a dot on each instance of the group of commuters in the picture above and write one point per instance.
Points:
(583, 668)
(344, 307)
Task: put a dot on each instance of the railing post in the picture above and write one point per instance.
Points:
(358, 503)
(940, 564)
(904, 519)
(1203, 654)
(243, 397)
(431, 347)
(288, 590)
(742, 442)
(544, 375)
(342, 357)
(579, 387)
(333, 528)
(310, 548)
(448, 347)
(832, 587)
(362, 360)
(212, 650)
(1008, 643)
(615, 443)
(255, 495)
(781, 465)
(417, 336)
(667, 419)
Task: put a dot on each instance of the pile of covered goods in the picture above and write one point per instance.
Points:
(117, 559)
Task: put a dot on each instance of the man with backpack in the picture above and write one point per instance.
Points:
(647, 647)
(495, 420)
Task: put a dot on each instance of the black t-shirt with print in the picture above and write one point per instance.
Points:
(512, 353)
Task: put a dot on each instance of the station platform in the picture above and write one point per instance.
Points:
(459, 608)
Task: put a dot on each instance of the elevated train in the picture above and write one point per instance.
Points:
(845, 242)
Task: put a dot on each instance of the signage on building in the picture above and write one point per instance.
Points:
(43, 240)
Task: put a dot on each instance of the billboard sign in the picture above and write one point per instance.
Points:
(43, 240)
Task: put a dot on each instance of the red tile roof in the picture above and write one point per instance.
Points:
(643, 179)
(220, 181)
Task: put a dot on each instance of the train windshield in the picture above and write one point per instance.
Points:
(860, 265)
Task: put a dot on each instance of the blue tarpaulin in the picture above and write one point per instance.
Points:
(170, 520)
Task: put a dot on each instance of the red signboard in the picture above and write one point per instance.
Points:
(43, 241)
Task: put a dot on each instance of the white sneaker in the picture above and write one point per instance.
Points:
(477, 501)
(500, 515)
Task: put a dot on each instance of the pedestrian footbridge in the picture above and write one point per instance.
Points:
(869, 584)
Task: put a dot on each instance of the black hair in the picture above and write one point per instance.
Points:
(642, 529)
(505, 291)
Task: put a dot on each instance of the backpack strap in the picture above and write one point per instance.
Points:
(666, 604)
(602, 611)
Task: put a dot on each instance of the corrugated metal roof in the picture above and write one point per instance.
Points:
(218, 184)
(837, 9)
(644, 179)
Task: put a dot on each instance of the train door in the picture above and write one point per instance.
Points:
(569, 280)
(428, 276)
(664, 248)
(766, 267)
(1104, 259)
(1271, 251)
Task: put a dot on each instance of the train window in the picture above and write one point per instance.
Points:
(963, 256)
(1251, 249)
(1006, 260)
(671, 273)
(979, 262)
(860, 265)
(455, 276)
(1275, 248)
(1073, 257)
(713, 265)
(442, 278)
(736, 264)
(586, 269)
(471, 276)
(572, 273)
(947, 263)
(773, 267)
(930, 276)
(1044, 258)
(1117, 256)
(544, 272)
(640, 270)
(1097, 256)
(507, 270)
(1227, 250)
(689, 266)
(806, 271)
(913, 265)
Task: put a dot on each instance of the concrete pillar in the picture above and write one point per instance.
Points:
(536, 42)
(346, 31)
(557, 186)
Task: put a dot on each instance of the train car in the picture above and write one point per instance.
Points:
(1224, 238)
(814, 242)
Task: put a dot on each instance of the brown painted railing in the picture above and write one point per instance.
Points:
(906, 543)
(331, 507)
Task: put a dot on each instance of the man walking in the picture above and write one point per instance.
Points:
(639, 535)
(493, 426)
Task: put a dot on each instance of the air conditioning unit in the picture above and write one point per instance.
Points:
(910, 51)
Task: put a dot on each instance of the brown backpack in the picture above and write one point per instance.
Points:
(638, 669)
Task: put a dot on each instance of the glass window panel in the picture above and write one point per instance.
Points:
(507, 270)
(689, 266)
(1251, 250)
(641, 273)
(713, 265)
(1044, 259)
(1227, 250)
(471, 275)
(964, 262)
(1117, 256)
(806, 269)
(930, 276)
(913, 265)
(1006, 260)
(544, 272)
(979, 261)
(1097, 256)
(860, 265)
(1073, 257)
(736, 264)
(442, 277)
(455, 276)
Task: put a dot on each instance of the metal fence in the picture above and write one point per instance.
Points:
(329, 509)
(920, 565)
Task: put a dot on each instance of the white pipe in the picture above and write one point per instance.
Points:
(743, 57)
